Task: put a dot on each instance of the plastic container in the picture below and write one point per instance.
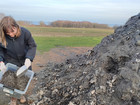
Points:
(15, 92)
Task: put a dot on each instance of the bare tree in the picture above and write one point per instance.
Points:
(24, 23)
(1, 15)
(42, 23)
(115, 26)
(82, 24)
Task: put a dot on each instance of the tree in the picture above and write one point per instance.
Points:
(24, 23)
(1, 15)
(77, 24)
(115, 26)
(42, 23)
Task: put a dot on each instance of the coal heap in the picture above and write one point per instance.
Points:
(109, 74)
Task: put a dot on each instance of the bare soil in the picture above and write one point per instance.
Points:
(56, 55)
(10, 80)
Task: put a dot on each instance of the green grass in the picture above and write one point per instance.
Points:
(61, 31)
(52, 37)
(47, 43)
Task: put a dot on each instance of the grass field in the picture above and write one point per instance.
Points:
(46, 43)
(59, 31)
(52, 37)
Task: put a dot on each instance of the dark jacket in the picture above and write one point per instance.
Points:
(18, 49)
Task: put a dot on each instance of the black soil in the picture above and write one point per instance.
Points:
(109, 74)
(11, 80)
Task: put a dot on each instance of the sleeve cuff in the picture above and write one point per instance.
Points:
(29, 58)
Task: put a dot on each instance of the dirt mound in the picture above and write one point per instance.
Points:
(108, 74)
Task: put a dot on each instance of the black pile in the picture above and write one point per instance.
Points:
(109, 74)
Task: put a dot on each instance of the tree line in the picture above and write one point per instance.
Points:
(78, 24)
(61, 23)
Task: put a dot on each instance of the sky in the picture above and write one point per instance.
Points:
(111, 12)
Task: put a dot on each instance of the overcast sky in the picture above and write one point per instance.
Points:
(97, 11)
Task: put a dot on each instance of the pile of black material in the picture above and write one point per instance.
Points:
(109, 74)
(10, 80)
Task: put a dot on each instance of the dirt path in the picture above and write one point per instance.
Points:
(56, 55)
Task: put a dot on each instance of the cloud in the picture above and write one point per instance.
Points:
(106, 11)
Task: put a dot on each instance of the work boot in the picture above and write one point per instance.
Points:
(22, 99)
(13, 101)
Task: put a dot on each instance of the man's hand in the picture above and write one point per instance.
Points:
(2, 67)
(27, 62)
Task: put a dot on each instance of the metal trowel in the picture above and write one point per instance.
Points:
(21, 71)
